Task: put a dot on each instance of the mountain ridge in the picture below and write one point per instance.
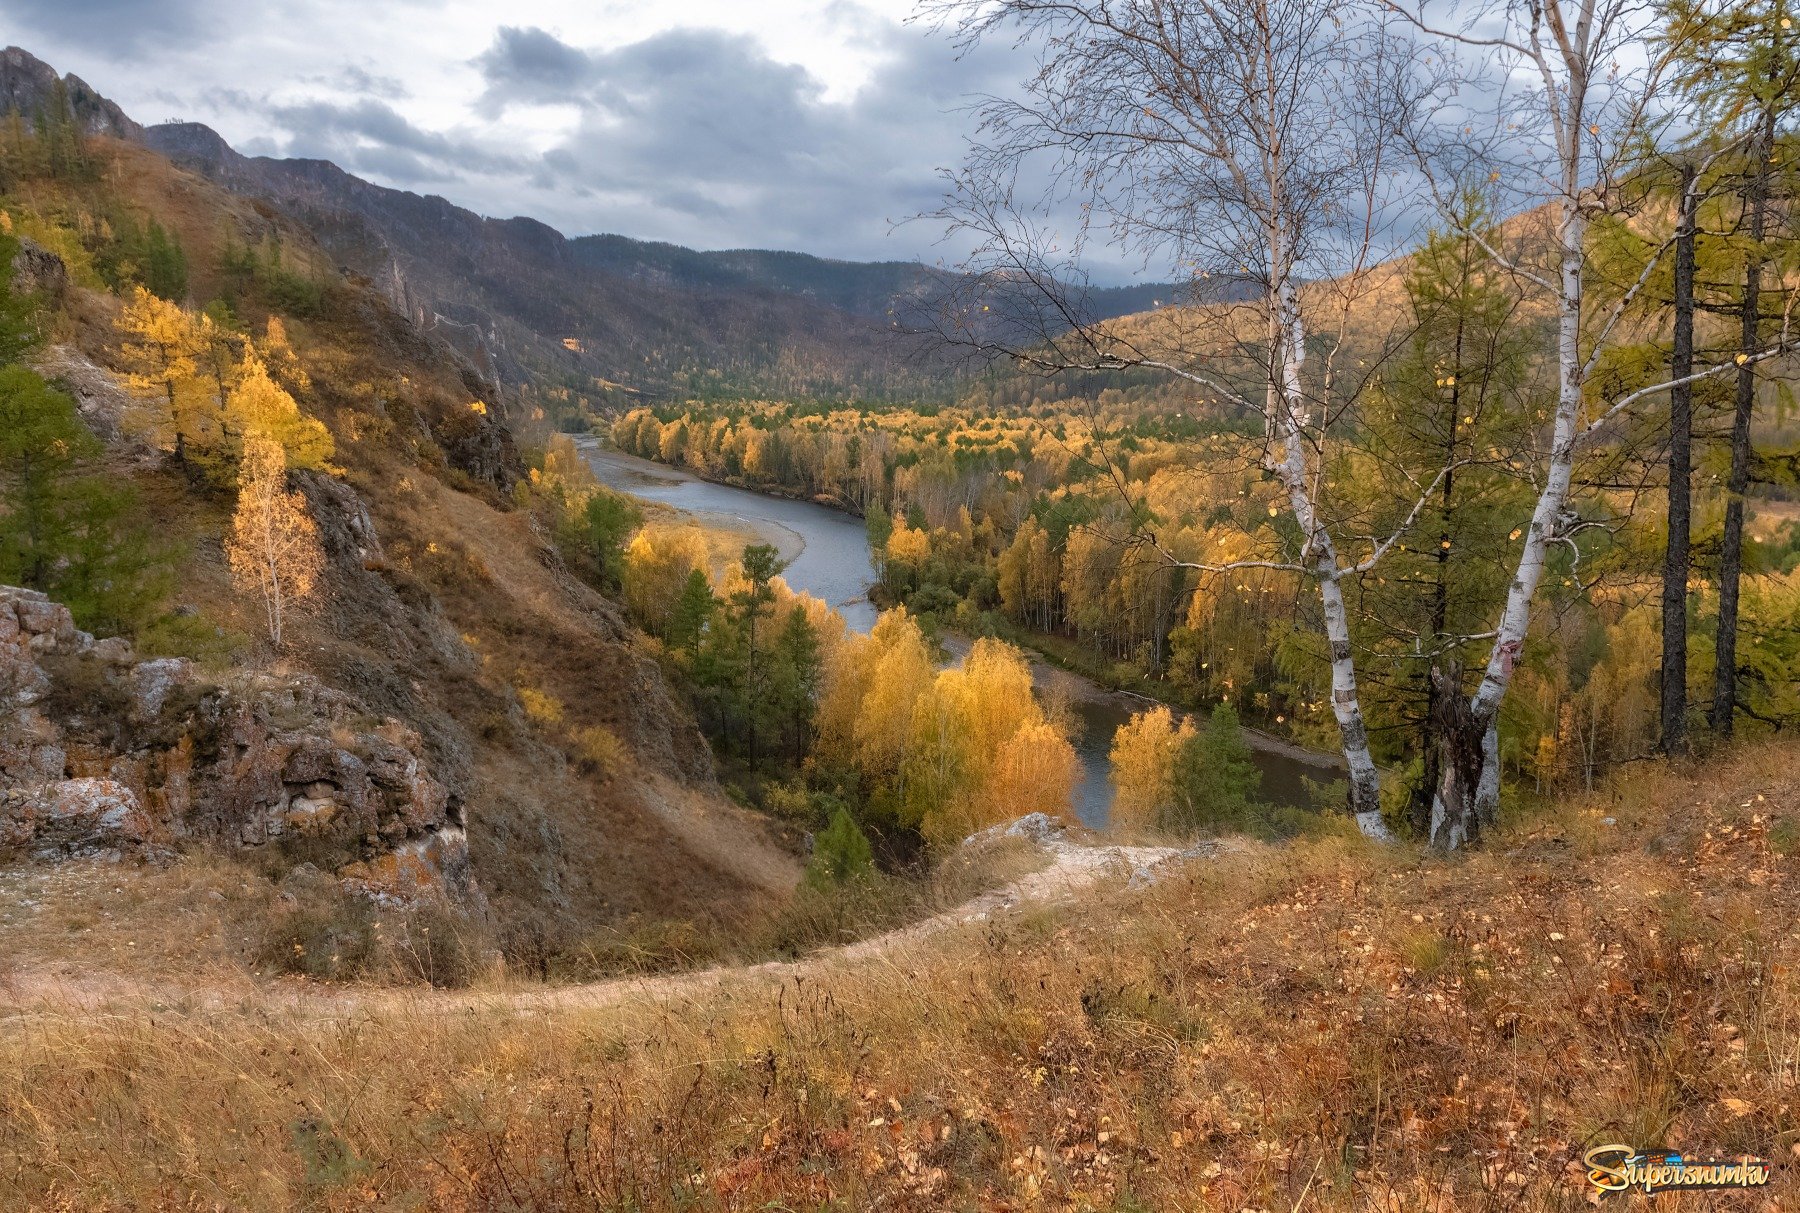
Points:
(607, 315)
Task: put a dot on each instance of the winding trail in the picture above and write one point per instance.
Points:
(1074, 868)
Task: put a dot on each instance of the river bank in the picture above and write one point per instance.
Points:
(831, 560)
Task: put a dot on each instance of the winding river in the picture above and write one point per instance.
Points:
(828, 555)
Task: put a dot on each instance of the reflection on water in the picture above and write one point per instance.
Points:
(834, 565)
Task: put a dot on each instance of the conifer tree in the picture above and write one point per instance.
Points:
(160, 348)
(259, 405)
(1215, 779)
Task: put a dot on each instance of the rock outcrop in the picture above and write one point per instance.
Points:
(103, 754)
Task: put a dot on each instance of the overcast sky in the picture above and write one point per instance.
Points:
(794, 124)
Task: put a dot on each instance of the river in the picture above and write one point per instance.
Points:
(828, 555)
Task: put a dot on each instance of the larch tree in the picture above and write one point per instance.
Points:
(1569, 141)
(1738, 63)
(273, 549)
(160, 353)
(257, 404)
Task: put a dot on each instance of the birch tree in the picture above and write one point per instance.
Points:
(273, 549)
(1249, 146)
(1568, 138)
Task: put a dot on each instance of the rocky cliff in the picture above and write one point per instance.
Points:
(106, 755)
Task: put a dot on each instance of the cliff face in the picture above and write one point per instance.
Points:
(29, 85)
(106, 755)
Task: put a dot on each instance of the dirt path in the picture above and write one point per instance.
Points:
(61, 991)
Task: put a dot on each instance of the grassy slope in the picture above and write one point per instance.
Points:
(1319, 1026)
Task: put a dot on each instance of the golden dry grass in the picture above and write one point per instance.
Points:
(1321, 1026)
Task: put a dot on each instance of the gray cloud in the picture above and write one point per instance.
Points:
(117, 29)
(530, 66)
(698, 136)
(371, 137)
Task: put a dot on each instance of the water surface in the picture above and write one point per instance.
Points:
(829, 553)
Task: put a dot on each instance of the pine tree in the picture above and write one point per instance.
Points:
(73, 534)
(841, 854)
(745, 607)
(795, 668)
(165, 265)
(1215, 779)
(607, 521)
(693, 610)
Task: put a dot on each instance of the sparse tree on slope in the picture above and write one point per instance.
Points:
(273, 548)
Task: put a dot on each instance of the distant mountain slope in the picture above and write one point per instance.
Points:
(596, 313)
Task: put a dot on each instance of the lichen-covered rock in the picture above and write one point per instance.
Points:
(101, 753)
(74, 818)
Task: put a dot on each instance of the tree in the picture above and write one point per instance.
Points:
(1677, 557)
(159, 355)
(1251, 141)
(744, 607)
(1572, 140)
(793, 685)
(42, 440)
(658, 562)
(77, 535)
(258, 405)
(841, 854)
(607, 521)
(968, 759)
(165, 265)
(1143, 757)
(273, 548)
(1215, 778)
(693, 610)
(1739, 65)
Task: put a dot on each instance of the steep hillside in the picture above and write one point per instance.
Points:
(444, 606)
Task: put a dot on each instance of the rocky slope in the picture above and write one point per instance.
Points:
(106, 755)
(444, 608)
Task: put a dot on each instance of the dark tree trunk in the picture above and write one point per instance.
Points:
(1457, 816)
(1681, 439)
(1731, 554)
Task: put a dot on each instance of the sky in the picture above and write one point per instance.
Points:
(814, 125)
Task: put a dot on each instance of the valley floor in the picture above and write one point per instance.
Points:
(1325, 1025)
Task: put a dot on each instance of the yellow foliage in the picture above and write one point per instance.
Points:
(1143, 764)
(980, 746)
(273, 549)
(540, 706)
(908, 546)
(160, 351)
(657, 563)
(260, 406)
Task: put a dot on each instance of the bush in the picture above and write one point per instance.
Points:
(598, 749)
(841, 854)
(328, 934)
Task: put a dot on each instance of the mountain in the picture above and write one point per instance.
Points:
(604, 315)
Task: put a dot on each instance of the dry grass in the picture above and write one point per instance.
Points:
(1316, 1026)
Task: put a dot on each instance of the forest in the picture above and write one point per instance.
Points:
(1127, 522)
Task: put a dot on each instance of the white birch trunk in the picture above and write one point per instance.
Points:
(1287, 419)
(1515, 620)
